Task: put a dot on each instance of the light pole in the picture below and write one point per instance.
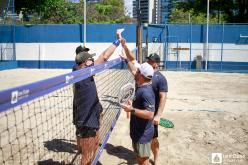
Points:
(146, 27)
(207, 54)
(84, 23)
(139, 32)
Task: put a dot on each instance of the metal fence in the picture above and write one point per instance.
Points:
(7, 29)
(184, 47)
(181, 46)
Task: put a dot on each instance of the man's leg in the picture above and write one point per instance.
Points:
(78, 139)
(78, 145)
(155, 144)
(143, 152)
(86, 145)
(95, 145)
(155, 149)
(89, 147)
(143, 160)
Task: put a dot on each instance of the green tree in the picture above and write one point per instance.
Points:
(220, 11)
(109, 11)
(181, 16)
(60, 11)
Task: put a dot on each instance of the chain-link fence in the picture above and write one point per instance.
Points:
(184, 46)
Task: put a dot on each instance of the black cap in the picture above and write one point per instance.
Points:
(82, 57)
(154, 57)
(81, 49)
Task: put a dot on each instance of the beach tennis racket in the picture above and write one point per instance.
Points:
(166, 123)
(125, 94)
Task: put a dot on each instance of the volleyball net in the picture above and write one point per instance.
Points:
(36, 119)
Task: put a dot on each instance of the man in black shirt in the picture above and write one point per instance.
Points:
(160, 88)
(86, 105)
(142, 111)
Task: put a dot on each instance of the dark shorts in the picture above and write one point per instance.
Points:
(85, 132)
(155, 135)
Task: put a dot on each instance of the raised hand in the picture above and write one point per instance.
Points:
(118, 33)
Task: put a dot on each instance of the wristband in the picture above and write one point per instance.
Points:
(116, 43)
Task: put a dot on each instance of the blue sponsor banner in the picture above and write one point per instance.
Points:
(16, 96)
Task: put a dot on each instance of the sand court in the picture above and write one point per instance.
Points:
(209, 111)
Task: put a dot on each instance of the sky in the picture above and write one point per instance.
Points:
(129, 6)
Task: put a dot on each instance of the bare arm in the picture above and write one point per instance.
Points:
(129, 54)
(142, 113)
(129, 57)
(145, 114)
(106, 54)
(162, 98)
(110, 50)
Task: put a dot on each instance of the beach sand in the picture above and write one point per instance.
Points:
(209, 111)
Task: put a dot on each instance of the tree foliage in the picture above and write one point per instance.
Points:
(60, 11)
(220, 11)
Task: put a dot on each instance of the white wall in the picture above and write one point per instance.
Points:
(66, 51)
(60, 51)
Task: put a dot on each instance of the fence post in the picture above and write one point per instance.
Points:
(166, 45)
(222, 42)
(190, 46)
(1, 52)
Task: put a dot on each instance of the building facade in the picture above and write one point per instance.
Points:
(143, 9)
(152, 11)
(164, 8)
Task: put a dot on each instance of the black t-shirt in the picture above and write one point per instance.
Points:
(86, 105)
(141, 130)
(159, 84)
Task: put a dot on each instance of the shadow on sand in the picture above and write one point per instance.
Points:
(121, 152)
(59, 145)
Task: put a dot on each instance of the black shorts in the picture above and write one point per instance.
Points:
(85, 132)
(155, 135)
